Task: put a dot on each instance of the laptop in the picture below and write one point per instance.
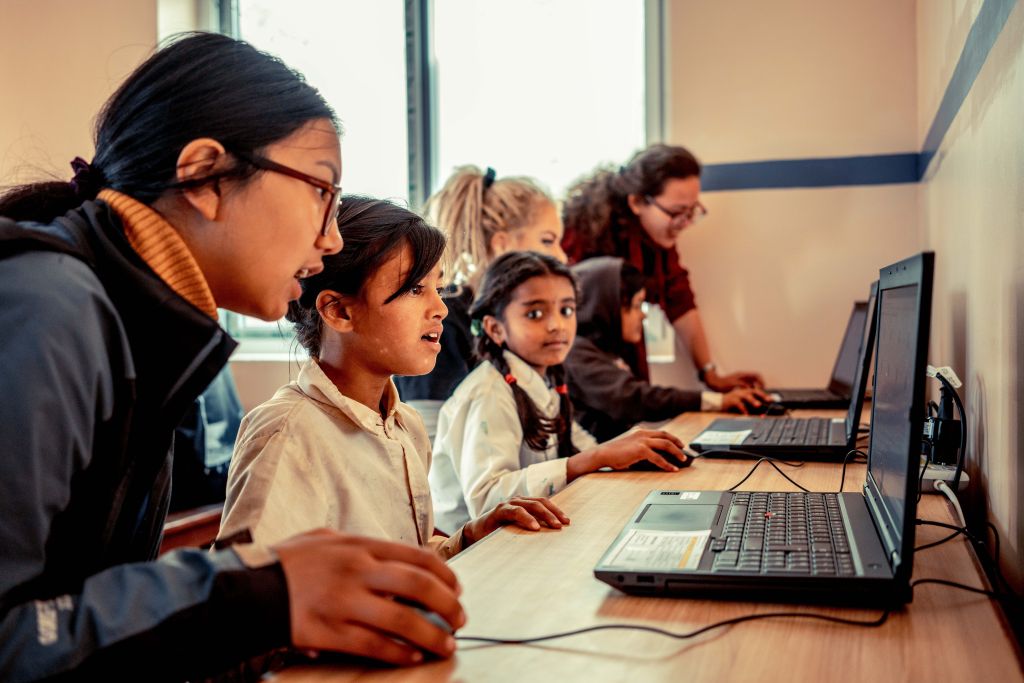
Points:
(796, 437)
(832, 548)
(844, 372)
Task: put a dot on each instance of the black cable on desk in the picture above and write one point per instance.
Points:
(758, 464)
(873, 623)
(846, 459)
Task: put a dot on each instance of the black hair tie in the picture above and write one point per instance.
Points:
(88, 180)
(489, 178)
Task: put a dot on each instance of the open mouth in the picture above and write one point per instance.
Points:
(432, 337)
(304, 273)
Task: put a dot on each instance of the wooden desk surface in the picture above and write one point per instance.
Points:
(519, 584)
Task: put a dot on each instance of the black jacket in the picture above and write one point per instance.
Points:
(100, 360)
(607, 397)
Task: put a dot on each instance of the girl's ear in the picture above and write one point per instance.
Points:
(499, 243)
(201, 158)
(494, 329)
(636, 202)
(335, 309)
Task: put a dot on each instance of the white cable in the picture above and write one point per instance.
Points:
(941, 485)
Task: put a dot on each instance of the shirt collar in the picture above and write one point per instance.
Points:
(318, 386)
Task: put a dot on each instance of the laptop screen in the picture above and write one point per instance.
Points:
(862, 366)
(894, 392)
(897, 412)
(844, 374)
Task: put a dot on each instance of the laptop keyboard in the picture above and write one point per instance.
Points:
(785, 430)
(784, 533)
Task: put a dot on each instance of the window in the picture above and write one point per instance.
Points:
(545, 88)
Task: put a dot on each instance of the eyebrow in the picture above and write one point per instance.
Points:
(534, 302)
(335, 174)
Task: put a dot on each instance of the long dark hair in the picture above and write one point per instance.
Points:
(200, 85)
(373, 230)
(506, 273)
(597, 206)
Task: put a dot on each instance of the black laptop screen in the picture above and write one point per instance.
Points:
(895, 376)
(845, 372)
(862, 366)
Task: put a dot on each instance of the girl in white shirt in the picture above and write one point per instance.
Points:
(337, 448)
(508, 430)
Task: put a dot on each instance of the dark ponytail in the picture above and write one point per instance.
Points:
(597, 206)
(506, 273)
(200, 85)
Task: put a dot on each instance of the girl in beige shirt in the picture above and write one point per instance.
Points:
(337, 448)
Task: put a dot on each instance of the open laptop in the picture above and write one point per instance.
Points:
(804, 547)
(844, 372)
(796, 437)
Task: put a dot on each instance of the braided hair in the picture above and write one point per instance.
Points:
(503, 276)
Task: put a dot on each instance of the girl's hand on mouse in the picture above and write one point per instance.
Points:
(738, 400)
(527, 513)
(623, 451)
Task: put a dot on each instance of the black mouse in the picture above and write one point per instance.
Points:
(648, 466)
(770, 408)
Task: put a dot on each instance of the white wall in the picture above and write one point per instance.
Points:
(776, 271)
(59, 61)
(972, 215)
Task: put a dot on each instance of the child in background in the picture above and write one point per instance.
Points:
(483, 217)
(508, 428)
(610, 319)
(337, 448)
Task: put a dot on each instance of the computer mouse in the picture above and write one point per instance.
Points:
(771, 408)
(648, 466)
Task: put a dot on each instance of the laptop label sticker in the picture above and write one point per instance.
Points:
(689, 495)
(724, 438)
(642, 549)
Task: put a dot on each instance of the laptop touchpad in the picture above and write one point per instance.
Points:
(678, 517)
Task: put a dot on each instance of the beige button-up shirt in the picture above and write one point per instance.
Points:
(311, 457)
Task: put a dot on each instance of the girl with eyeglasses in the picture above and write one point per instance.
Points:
(214, 185)
(637, 213)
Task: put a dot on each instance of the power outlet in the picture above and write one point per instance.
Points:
(934, 473)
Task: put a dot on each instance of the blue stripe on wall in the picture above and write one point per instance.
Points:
(881, 169)
(983, 34)
(831, 172)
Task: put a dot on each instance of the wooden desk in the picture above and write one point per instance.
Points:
(519, 584)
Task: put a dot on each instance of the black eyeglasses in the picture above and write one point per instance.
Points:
(691, 214)
(328, 191)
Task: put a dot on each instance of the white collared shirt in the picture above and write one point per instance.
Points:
(311, 457)
(480, 457)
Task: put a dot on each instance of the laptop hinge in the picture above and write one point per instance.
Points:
(884, 533)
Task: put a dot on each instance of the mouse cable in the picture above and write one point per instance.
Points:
(758, 464)
(870, 623)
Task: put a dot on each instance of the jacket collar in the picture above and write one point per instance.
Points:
(314, 383)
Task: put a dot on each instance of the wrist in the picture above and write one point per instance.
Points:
(707, 372)
(580, 464)
(469, 533)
